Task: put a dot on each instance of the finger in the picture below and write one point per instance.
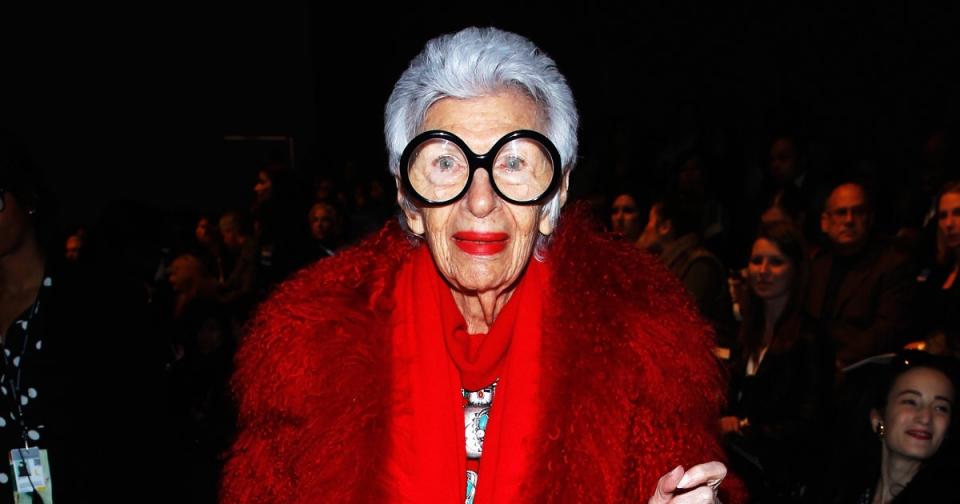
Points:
(666, 485)
(702, 495)
(710, 474)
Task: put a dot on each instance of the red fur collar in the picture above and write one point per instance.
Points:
(632, 388)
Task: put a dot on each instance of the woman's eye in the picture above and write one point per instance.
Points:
(776, 261)
(446, 163)
(911, 402)
(513, 163)
(756, 260)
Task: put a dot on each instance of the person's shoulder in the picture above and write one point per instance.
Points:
(602, 278)
(329, 311)
(582, 257)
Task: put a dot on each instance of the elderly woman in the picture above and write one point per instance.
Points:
(469, 357)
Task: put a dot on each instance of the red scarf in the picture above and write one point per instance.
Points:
(428, 457)
(479, 357)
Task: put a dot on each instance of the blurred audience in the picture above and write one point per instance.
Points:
(326, 229)
(625, 217)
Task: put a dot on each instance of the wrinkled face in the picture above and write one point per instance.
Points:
(481, 243)
(625, 217)
(918, 413)
(770, 272)
(948, 220)
(263, 187)
(847, 218)
(323, 221)
(783, 160)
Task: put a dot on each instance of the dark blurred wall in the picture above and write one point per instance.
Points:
(135, 105)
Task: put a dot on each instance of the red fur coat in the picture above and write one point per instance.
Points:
(634, 389)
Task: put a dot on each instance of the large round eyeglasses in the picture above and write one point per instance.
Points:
(437, 167)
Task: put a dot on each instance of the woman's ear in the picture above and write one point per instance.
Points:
(412, 215)
(546, 224)
(414, 221)
(875, 420)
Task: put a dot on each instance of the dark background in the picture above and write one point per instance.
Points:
(135, 105)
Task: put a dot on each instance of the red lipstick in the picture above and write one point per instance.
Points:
(919, 434)
(478, 243)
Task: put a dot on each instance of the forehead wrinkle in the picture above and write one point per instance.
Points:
(482, 128)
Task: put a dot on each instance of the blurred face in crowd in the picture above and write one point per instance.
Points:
(625, 217)
(847, 218)
(481, 243)
(323, 221)
(264, 186)
(655, 232)
(185, 271)
(918, 414)
(204, 231)
(770, 272)
(690, 180)
(783, 160)
(230, 232)
(73, 247)
(948, 220)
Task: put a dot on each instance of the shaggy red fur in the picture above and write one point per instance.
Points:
(633, 387)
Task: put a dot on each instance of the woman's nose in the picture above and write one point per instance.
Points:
(481, 199)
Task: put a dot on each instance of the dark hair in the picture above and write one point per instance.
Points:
(789, 239)
(682, 212)
(788, 200)
(18, 174)
(20, 177)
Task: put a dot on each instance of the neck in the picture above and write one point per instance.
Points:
(480, 309)
(895, 473)
(772, 310)
(21, 269)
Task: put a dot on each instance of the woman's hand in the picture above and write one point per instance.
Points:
(698, 485)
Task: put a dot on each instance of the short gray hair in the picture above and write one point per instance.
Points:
(476, 62)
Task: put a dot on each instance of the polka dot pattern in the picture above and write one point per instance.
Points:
(20, 382)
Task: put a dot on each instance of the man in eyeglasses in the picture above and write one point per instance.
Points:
(860, 286)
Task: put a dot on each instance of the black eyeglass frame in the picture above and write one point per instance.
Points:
(477, 161)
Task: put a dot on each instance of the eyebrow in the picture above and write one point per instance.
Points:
(911, 391)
